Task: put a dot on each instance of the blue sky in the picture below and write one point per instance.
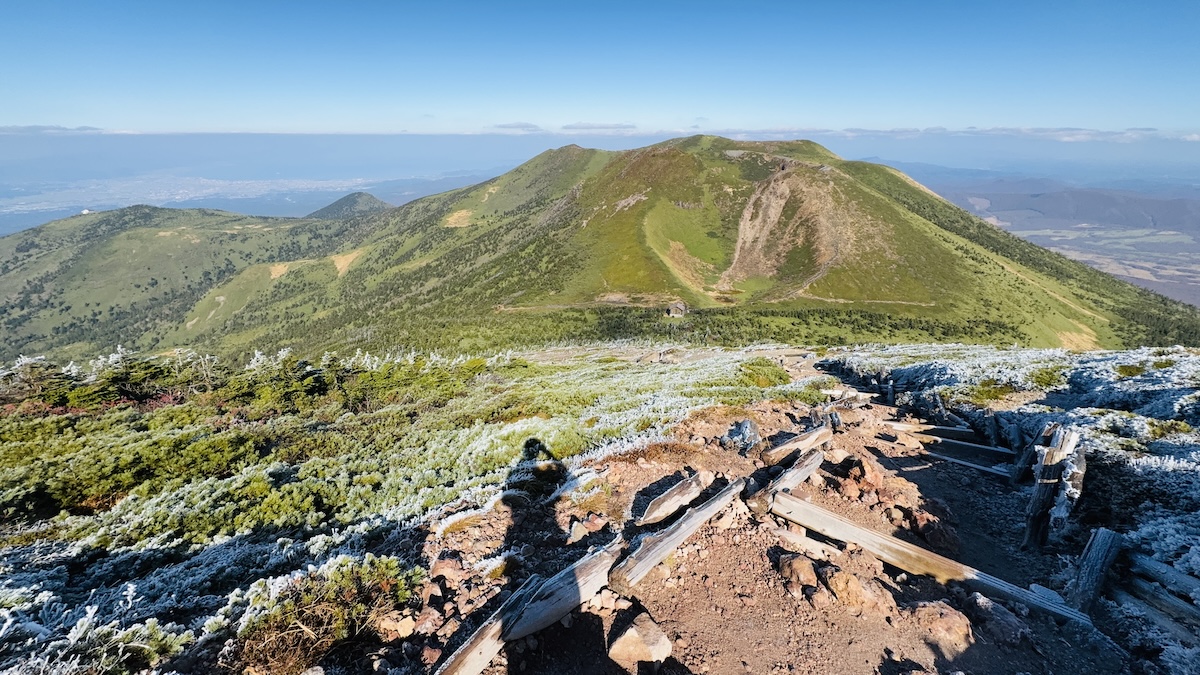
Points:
(623, 68)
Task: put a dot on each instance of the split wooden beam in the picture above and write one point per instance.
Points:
(806, 464)
(800, 444)
(1092, 567)
(485, 643)
(564, 591)
(654, 548)
(912, 558)
(678, 496)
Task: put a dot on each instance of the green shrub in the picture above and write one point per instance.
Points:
(1130, 370)
(1050, 377)
(1163, 428)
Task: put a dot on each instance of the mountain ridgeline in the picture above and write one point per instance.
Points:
(761, 240)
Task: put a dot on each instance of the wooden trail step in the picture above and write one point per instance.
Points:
(655, 548)
(1158, 618)
(1159, 598)
(911, 558)
(963, 462)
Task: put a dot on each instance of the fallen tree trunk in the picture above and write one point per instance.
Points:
(912, 558)
(802, 443)
(1091, 569)
(1159, 598)
(805, 465)
(655, 548)
(1165, 623)
(678, 496)
(564, 592)
(485, 643)
(1176, 581)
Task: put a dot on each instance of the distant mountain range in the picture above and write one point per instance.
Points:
(762, 241)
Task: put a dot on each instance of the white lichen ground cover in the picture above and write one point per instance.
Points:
(196, 561)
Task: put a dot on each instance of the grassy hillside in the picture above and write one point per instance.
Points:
(781, 241)
(353, 204)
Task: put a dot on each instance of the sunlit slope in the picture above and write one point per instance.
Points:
(779, 241)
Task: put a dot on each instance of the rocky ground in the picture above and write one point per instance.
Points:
(739, 596)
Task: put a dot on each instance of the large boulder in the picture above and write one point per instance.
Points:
(946, 628)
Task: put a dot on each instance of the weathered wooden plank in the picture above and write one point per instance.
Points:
(798, 543)
(912, 558)
(1179, 582)
(485, 643)
(655, 548)
(952, 443)
(958, 433)
(1049, 482)
(977, 467)
(799, 472)
(1162, 600)
(1025, 460)
(563, 592)
(678, 496)
(802, 443)
(1092, 567)
(1156, 617)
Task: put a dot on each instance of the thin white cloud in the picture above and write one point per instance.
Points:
(46, 129)
(528, 127)
(599, 126)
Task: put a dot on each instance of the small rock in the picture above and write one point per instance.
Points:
(450, 569)
(428, 621)
(798, 568)
(396, 626)
(430, 655)
(995, 619)
(945, 627)
(819, 597)
(568, 620)
(578, 532)
(595, 522)
(315, 670)
(642, 642)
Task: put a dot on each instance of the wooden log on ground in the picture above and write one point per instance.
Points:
(1028, 456)
(963, 462)
(800, 444)
(787, 481)
(912, 558)
(1049, 482)
(992, 428)
(952, 443)
(1092, 567)
(1160, 620)
(655, 548)
(957, 433)
(1174, 580)
(485, 643)
(678, 496)
(1162, 600)
(564, 592)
